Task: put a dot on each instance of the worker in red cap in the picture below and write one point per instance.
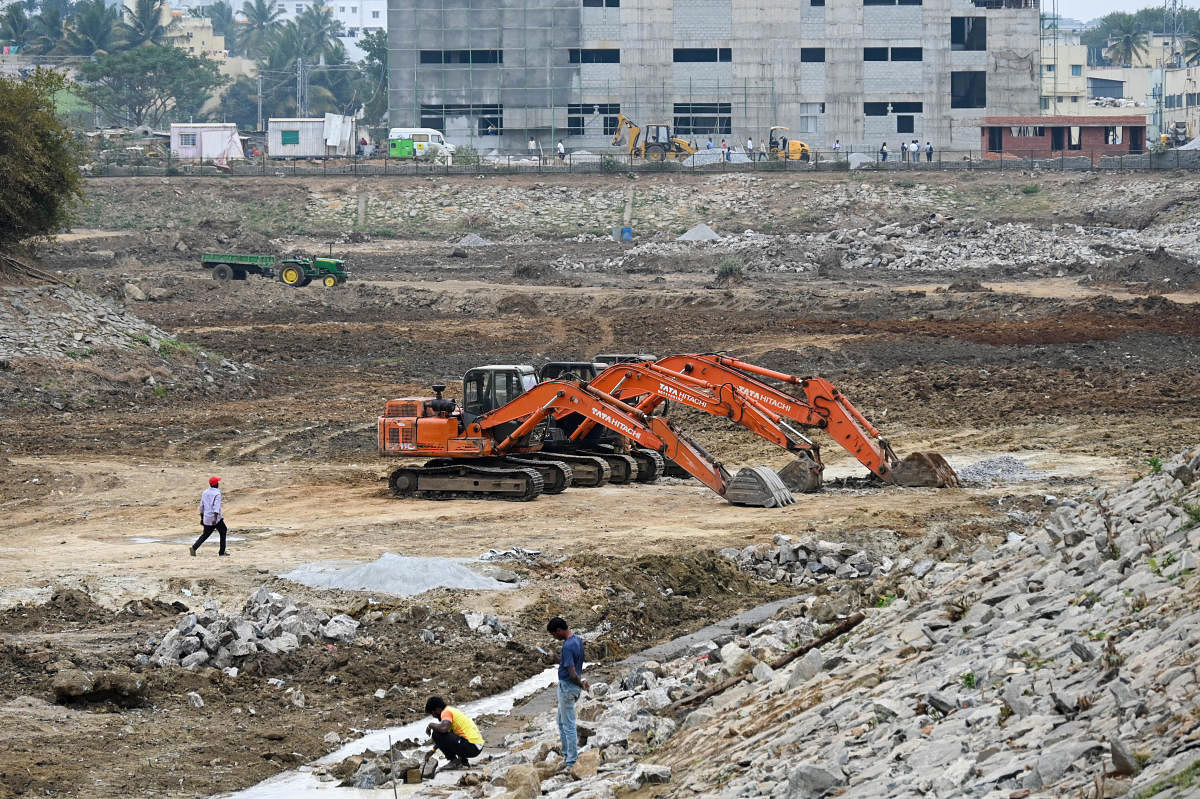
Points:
(210, 515)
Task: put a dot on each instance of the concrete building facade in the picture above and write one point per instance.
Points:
(492, 73)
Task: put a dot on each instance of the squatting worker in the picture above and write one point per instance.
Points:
(211, 516)
(454, 733)
(570, 685)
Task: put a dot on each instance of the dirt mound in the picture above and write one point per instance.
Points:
(67, 609)
(1156, 271)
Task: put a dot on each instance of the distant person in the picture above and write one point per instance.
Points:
(709, 145)
(562, 151)
(210, 516)
(762, 150)
(453, 733)
(883, 152)
(570, 685)
(837, 147)
(914, 150)
(903, 151)
(532, 147)
(749, 147)
(928, 152)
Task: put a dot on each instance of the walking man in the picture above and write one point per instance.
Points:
(453, 733)
(570, 685)
(750, 147)
(210, 515)
(562, 151)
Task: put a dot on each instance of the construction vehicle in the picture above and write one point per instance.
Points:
(822, 407)
(654, 142)
(784, 148)
(611, 358)
(297, 272)
(487, 454)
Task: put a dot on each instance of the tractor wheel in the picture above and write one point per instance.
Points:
(656, 152)
(329, 281)
(291, 275)
(222, 273)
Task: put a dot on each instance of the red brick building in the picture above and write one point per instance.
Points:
(1046, 137)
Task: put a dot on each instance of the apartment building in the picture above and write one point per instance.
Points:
(864, 72)
(358, 18)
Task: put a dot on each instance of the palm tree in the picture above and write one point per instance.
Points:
(1191, 47)
(16, 29)
(49, 30)
(262, 18)
(93, 28)
(1126, 42)
(318, 29)
(143, 24)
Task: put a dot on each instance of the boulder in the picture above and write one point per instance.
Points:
(522, 782)
(340, 628)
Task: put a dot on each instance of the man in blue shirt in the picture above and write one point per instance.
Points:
(570, 685)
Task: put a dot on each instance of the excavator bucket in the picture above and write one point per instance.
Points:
(802, 475)
(924, 469)
(758, 487)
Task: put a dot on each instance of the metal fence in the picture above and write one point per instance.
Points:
(621, 163)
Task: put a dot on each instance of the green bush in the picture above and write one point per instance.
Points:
(467, 155)
(729, 269)
(609, 163)
(1030, 189)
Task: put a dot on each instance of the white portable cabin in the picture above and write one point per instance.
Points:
(332, 134)
(206, 141)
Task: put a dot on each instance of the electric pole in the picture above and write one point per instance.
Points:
(260, 125)
(300, 87)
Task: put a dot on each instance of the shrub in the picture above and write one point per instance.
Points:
(467, 155)
(1030, 189)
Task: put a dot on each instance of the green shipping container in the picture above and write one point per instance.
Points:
(400, 148)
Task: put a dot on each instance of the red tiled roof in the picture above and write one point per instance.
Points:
(1077, 121)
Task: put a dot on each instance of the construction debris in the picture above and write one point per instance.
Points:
(700, 232)
(270, 623)
(395, 574)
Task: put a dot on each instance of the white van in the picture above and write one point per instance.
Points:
(417, 143)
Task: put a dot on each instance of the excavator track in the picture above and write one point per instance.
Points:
(556, 476)
(624, 468)
(466, 480)
(589, 471)
(651, 465)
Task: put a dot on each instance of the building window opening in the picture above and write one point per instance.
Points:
(1113, 135)
(690, 55)
(968, 89)
(1076, 141)
(187, 139)
(704, 118)
(577, 116)
(905, 124)
(875, 54)
(906, 54)
(597, 55)
(968, 33)
(812, 55)
(601, 3)
(462, 56)
(489, 118)
(289, 137)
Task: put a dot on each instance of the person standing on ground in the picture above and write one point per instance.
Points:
(914, 150)
(453, 733)
(570, 685)
(709, 145)
(750, 147)
(210, 516)
(532, 147)
(837, 148)
(562, 151)
(903, 151)
(928, 152)
(883, 152)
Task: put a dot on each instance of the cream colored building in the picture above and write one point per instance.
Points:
(1064, 87)
(195, 36)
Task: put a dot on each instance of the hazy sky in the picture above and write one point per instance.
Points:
(1084, 10)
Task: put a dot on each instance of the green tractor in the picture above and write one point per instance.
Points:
(301, 271)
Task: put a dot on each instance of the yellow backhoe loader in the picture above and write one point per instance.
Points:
(784, 148)
(654, 142)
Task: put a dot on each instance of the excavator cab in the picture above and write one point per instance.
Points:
(486, 388)
(608, 359)
(570, 370)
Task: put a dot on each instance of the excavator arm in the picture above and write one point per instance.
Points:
(758, 486)
(625, 127)
(823, 406)
(653, 384)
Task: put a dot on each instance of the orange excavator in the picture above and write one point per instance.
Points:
(481, 451)
(822, 407)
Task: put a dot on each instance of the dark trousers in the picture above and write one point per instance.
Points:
(208, 528)
(453, 746)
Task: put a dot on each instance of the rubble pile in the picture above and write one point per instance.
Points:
(372, 769)
(56, 321)
(1062, 663)
(270, 623)
(813, 562)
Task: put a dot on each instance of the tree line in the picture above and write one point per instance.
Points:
(133, 75)
(1120, 39)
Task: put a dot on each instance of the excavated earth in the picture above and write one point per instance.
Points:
(1053, 319)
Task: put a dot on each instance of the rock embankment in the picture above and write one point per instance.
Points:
(1063, 663)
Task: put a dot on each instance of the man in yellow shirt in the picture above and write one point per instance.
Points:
(454, 733)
